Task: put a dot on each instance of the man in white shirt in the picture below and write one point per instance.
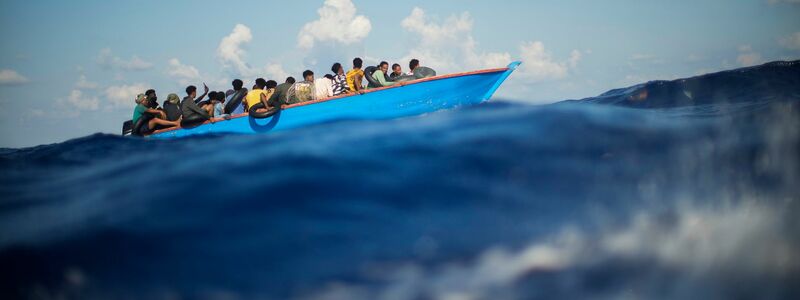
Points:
(323, 87)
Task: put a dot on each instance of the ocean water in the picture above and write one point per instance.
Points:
(685, 189)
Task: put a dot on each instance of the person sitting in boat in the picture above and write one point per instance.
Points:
(339, 84)
(380, 74)
(191, 111)
(304, 90)
(323, 87)
(238, 85)
(355, 77)
(152, 98)
(413, 64)
(258, 94)
(279, 97)
(396, 71)
(153, 117)
(172, 107)
(219, 105)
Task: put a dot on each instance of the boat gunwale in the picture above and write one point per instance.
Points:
(400, 84)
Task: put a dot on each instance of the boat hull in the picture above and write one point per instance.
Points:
(408, 99)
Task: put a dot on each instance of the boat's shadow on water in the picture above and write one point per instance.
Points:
(273, 121)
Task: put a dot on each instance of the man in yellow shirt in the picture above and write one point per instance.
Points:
(259, 94)
(355, 76)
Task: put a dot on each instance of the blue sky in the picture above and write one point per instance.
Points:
(72, 68)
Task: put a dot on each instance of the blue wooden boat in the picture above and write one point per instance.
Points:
(403, 99)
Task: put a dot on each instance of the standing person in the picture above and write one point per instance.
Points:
(339, 80)
(172, 107)
(190, 110)
(154, 117)
(396, 71)
(380, 74)
(355, 76)
(304, 90)
(323, 87)
(279, 97)
(413, 64)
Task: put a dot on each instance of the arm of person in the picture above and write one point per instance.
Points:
(200, 111)
(205, 92)
(382, 79)
(265, 100)
(157, 112)
(357, 83)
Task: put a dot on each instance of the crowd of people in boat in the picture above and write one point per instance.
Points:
(265, 95)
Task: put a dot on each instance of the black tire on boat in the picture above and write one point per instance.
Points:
(371, 80)
(262, 115)
(235, 101)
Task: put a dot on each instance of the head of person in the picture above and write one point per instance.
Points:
(308, 75)
(337, 69)
(271, 84)
(212, 96)
(141, 99)
(151, 93)
(237, 84)
(397, 69)
(384, 66)
(191, 91)
(261, 83)
(173, 98)
(413, 64)
(290, 80)
(357, 63)
(220, 96)
(328, 76)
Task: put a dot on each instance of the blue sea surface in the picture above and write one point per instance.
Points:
(685, 189)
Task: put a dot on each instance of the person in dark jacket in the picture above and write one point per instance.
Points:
(280, 96)
(172, 107)
(191, 111)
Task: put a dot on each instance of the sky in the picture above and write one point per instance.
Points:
(73, 68)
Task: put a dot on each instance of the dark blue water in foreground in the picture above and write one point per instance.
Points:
(676, 190)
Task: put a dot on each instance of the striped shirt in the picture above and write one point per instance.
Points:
(339, 84)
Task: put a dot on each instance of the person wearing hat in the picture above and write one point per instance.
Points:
(154, 117)
(172, 107)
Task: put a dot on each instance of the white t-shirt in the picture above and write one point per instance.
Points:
(323, 88)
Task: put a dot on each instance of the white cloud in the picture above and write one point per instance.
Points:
(792, 41)
(232, 55)
(84, 83)
(747, 57)
(79, 101)
(276, 72)
(337, 22)
(183, 73)
(450, 46)
(11, 77)
(230, 49)
(538, 64)
(124, 95)
(107, 59)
